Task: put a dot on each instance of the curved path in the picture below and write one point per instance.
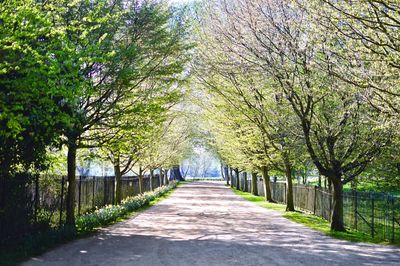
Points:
(205, 223)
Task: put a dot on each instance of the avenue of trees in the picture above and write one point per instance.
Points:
(293, 83)
(284, 87)
(104, 76)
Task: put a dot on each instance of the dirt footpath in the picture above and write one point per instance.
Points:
(205, 223)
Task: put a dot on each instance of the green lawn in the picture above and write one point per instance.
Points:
(309, 220)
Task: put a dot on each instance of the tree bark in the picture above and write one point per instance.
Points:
(231, 175)
(140, 180)
(319, 180)
(176, 173)
(3, 180)
(118, 184)
(151, 179)
(227, 175)
(166, 177)
(254, 188)
(245, 182)
(237, 179)
(160, 178)
(353, 184)
(37, 198)
(267, 185)
(71, 176)
(337, 223)
(222, 172)
(330, 185)
(304, 176)
(289, 191)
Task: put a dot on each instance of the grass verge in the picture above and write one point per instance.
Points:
(87, 225)
(311, 221)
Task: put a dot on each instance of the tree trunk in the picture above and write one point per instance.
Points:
(231, 176)
(151, 179)
(71, 176)
(337, 223)
(222, 172)
(166, 177)
(140, 180)
(176, 173)
(245, 182)
(160, 177)
(267, 185)
(289, 191)
(118, 184)
(37, 197)
(353, 184)
(319, 180)
(237, 178)
(330, 185)
(3, 180)
(304, 177)
(254, 188)
(227, 175)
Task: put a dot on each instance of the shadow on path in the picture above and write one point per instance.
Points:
(205, 223)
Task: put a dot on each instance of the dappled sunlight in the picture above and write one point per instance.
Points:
(204, 223)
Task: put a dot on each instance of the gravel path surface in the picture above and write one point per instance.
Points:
(205, 223)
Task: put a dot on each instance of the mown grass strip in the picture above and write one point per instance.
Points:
(37, 244)
(311, 221)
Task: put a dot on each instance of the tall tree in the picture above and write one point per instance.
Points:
(341, 132)
(35, 83)
(119, 45)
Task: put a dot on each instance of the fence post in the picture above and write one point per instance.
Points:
(61, 202)
(315, 199)
(79, 195)
(93, 189)
(372, 216)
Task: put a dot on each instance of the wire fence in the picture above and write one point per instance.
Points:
(373, 213)
(32, 203)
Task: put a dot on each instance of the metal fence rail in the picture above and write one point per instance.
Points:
(376, 214)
